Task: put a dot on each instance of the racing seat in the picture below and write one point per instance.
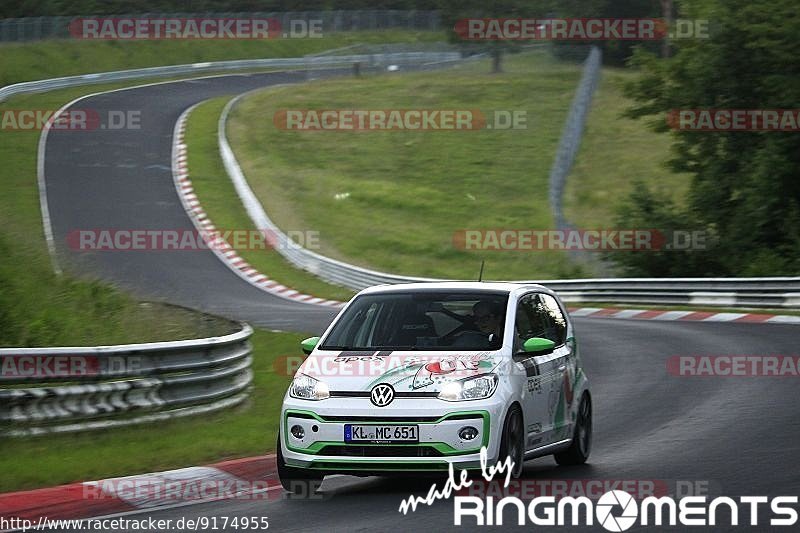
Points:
(411, 328)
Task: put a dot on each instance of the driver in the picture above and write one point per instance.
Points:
(487, 319)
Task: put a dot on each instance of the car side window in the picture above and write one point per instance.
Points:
(552, 318)
(539, 315)
(524, 325)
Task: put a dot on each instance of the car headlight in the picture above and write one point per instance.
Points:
(475, 388)
(307, 388)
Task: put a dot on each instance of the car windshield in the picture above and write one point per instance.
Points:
(430, 320)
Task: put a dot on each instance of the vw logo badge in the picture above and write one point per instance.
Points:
(382, 395)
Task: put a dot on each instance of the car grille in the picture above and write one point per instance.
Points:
(403, 419)
(399, 466)
(379, 451)
(377, 419)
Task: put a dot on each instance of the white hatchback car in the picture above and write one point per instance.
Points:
(412, 377)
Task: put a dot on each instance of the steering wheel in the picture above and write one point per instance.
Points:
(467, 324)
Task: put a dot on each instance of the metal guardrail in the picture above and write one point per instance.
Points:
(310, 62)
(571, 136)
(778, 292)
(57, 390)
(719, 292)
(330, 270)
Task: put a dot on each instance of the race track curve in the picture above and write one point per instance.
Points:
(107, 179)
(740, 436)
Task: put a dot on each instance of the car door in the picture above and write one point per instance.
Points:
(560, 365)
(538, 371)
(548, 397)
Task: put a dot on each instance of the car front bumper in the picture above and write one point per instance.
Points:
(323, 446)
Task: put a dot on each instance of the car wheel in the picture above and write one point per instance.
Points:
(578, 451)
(512, 442)
(299, 481)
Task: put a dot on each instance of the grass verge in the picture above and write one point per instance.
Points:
(615, 153)
(393, 200)
(38, 308)
(409, 192)
(249, 429)
(220, 201)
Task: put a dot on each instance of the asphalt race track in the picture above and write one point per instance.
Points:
(740, 435)
(735, 435)
(122, 179)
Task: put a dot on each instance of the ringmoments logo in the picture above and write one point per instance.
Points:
(611, 500)
(618, 510)
(615, 510)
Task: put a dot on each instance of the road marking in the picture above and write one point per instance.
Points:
(724, 317)
(224, 252)
(586, 311)
(628, 313)
(672, 315)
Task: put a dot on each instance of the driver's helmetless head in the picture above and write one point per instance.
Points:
(486, 317)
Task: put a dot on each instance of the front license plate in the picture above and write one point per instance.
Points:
(380, 434)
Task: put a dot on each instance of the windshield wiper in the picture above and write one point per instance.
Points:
(348, 348)
(373, 348)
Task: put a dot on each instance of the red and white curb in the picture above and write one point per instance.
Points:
(201, 221)
(252, 478)
(690, 316)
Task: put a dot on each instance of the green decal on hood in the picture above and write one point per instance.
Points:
(423, 371)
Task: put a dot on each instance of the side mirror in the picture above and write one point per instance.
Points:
(538, 346)
(309, 344)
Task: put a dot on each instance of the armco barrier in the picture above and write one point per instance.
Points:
(310, 62)
(778, 292)
(56, 390)
(573, 132)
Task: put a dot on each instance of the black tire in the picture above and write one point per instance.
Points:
(581, 446)
(512, 441)
(298, 481)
